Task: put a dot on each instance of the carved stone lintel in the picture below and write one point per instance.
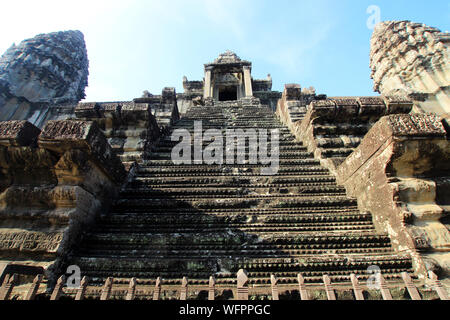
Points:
(87, 110)
(67, 135)
(18, 133)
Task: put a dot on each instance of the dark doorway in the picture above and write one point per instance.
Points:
(228, 94)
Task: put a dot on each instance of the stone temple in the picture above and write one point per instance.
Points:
(92, 205)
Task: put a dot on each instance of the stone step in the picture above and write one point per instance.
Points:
(206, 220)
(236, 203)
(236, 237)
(224, 251)
(167, 148)
(226, 173)
(361, 226)
(316, 211)
(238, 191)
(198, 220)
(290, 165)
(203, 268)
(245, 156)
(212, 182)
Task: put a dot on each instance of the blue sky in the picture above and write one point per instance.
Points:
(138, 45)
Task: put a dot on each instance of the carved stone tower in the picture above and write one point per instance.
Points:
(228, 78)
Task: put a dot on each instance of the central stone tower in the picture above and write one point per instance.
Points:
(228, 78)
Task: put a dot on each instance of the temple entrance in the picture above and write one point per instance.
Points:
(228, 94)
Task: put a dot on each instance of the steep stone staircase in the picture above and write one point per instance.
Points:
(200, 220)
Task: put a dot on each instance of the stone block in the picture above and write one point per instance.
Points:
(397, 104)
(398, 127)
(346, 108)
(323, 108)
(18, 133)
(292, 91)
(67, 135)
(415, 125)
(110, 110)
(371, 106)
(134, 112)
(87, 110)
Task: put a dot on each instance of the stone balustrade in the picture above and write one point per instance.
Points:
(54, 184)
(401, 174)
(241, 288)
(334, 127)
(130, 127)
(291, 108)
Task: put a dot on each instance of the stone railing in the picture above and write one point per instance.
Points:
(333, 128)
(130, 127)
(54, 184)
(291, 108)
(401, 174)
(351, 288)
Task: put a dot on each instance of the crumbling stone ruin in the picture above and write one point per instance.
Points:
(360, 195)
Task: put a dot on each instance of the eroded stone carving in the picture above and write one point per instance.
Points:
(41, 72)
(54, 183)
(411, 59)
(130, 127)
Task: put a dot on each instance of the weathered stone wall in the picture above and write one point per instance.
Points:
(412, 60)
(291, 107)
(53, 185)
(131, 128)
(268, 98)
(400, 173)
(334, 127)
(41, 72)
(163, 107)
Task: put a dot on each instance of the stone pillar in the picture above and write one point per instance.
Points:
(207, 87)
(248, 81)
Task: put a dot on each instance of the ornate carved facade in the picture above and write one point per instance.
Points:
(361, 183)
